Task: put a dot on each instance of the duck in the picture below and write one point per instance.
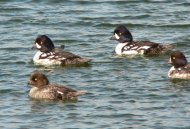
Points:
(127, 46)
(180, 68)
(42, 89)
(47, 54)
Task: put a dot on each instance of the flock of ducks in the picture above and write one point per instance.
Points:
(48, 55)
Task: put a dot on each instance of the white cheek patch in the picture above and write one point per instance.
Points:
(38, 46)
(116, 36)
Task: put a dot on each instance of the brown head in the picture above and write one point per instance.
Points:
(177, 59)
(38, 79)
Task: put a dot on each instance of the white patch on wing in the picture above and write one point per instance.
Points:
(133, 48)
(38, 46)
(116, 36)
(61, 58)
(179, 69)
(59, 92)
(144, 47)
(126, 48)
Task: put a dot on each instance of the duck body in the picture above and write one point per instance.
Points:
(47, 54)
(180, 68)
(58, 57)
(42, 89)
(179, 73)
(127, 46)
(141, 48)
(54, 92)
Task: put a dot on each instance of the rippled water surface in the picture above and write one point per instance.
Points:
(123, 93)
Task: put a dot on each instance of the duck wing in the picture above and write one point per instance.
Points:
(60, 53)
(145, 44)
(68, 58)
(65, 93)
(152, 48)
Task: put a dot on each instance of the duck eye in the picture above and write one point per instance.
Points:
(35, 79)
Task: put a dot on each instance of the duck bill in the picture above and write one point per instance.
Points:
(113, 37)
(29, 83)
(34, 46)
(169, 61)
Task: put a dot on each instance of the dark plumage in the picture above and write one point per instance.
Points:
(45, 43)
(123, 33)
(42, 89)
(180, 68)
(127, 46)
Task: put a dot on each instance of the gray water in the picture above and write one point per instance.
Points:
(123, 93)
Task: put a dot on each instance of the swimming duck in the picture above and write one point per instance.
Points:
(180, 68)
(127, 46)
(42, 89)
(47, 54)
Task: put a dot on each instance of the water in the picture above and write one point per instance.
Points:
(123, 92)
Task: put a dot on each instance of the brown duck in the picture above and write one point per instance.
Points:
(42, 89)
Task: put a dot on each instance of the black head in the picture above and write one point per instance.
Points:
(44, 44)
(177, 59)
(122, 34)
(38, 79)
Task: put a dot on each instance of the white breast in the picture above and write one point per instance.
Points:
(46, 61)
(178, 73)
(119, 48)
(33, 92)
(41, 94)
(170, 71)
